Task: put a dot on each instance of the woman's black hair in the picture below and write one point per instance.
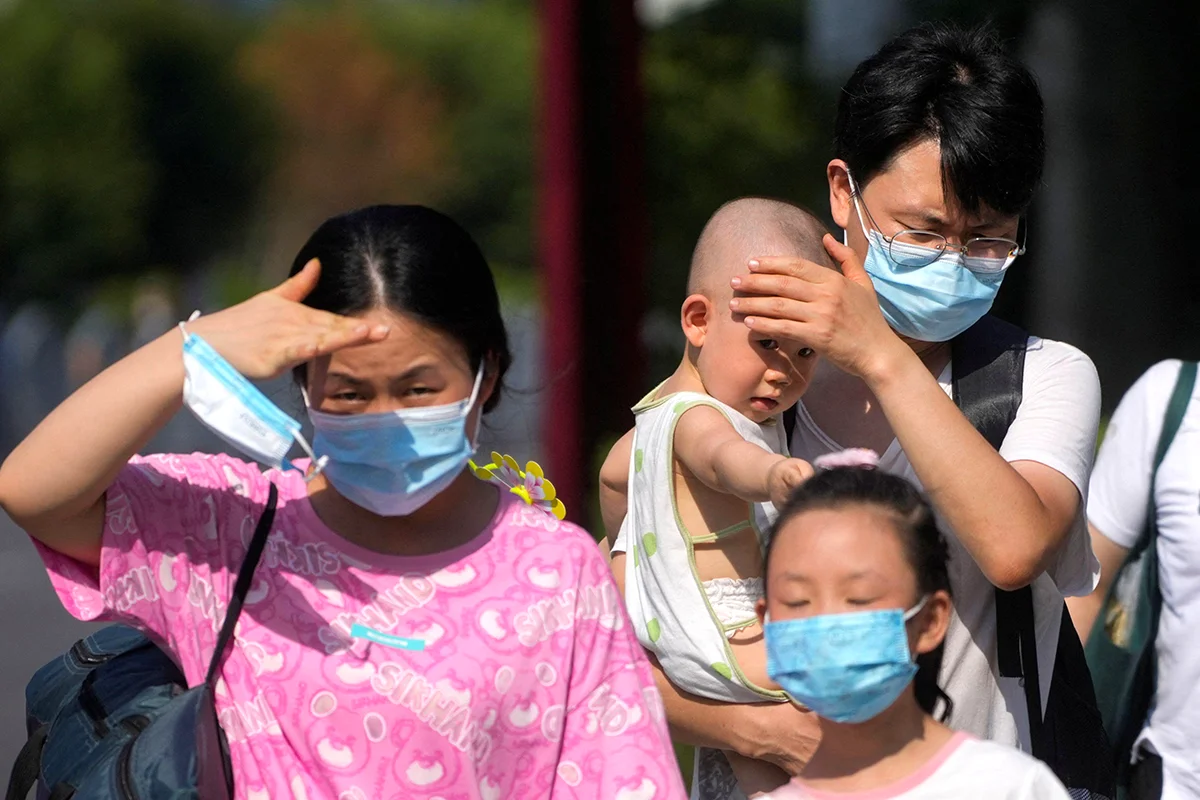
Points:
(924, 544)
(412, 260)
(957, 87)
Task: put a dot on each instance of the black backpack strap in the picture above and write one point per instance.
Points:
(789, 425)
(28, 765)
(988, 376)
(242, 586)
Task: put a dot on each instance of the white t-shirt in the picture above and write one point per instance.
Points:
(965, 767)
(1117, 507)
(1055, 425)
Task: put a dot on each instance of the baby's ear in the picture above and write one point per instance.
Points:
(694, 317)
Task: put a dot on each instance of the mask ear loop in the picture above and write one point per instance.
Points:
(318, 462)
(184, 330)
(474, 441)
(912, 612)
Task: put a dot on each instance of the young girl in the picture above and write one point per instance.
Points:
(411, 632)
(856, 585)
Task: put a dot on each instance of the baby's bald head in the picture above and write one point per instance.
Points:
(748, 227)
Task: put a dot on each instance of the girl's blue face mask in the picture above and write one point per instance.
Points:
(393, 463)
(845, 667)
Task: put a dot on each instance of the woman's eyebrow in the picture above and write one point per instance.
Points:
(345, 378)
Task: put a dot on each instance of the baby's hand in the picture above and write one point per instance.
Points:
(785, 476)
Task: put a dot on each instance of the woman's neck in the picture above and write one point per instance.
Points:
(452, 518)
(878, 752)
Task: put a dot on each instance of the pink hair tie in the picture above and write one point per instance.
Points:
(859, 457)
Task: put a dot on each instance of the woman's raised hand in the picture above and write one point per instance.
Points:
(273, 331)
(836, 314)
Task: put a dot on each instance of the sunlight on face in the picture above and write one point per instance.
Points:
(909, 195)
(832, 561)
(416, 365)
(757, 376)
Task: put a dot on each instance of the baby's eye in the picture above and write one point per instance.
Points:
(806, 352)
(768, 344)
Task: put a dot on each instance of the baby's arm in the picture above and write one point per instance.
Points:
(614, 486)
(708, 445)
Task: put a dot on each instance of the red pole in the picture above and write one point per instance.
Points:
(559, 226)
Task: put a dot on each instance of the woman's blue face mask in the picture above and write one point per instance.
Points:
(393, 463)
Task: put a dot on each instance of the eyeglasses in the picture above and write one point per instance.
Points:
(912, 248)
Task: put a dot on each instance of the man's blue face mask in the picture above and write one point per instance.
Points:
(933, 302)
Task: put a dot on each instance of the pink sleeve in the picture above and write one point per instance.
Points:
(173, 526)
(615, 741)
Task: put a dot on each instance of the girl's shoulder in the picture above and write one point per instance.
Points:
(999, 770)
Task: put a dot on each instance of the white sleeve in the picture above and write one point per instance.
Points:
(1041, 784)
(620, 544)
(1119, 496)
(1056, 425)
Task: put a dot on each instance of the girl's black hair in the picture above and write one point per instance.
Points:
(957, 87)
(412, 260)
(924, 544)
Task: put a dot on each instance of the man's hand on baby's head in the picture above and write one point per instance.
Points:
(784, 476)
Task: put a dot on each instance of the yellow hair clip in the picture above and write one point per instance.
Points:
(531, 484)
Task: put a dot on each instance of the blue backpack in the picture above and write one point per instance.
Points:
(113, 717)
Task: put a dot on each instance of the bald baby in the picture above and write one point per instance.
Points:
(746, 228)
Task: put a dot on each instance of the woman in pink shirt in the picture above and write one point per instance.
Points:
(411, 631)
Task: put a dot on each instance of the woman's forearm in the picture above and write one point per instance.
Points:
(61, 470)
(1006, 525)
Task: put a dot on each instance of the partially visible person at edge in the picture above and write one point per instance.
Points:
(529, 682)
(938, 147)
(857, 604)
(1166, 754)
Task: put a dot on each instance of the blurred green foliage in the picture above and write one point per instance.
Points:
(126, 142)
(141, 136)
(730, 112)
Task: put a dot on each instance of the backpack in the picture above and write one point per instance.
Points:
(1120, 646)
(1068, 735)
(113, 717)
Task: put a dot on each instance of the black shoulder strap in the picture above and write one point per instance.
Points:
(28, 765)
(242, 586)
(988, 370)
(789, 425)
(1177, 407)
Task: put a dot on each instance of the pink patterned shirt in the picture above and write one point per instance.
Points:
(504, 668)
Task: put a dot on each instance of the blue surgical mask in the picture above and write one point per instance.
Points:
(845, 667)
(395, 462)
(234, 409)
(934, 302)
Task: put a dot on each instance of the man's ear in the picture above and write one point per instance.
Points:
(934, 621)
(695, 315)
(760, 608)
(840, 194)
